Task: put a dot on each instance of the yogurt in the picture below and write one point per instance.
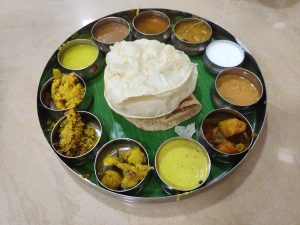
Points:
(225, 53)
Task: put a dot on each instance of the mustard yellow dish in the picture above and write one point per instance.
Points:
(75, 137)
(79, 56)
(182, 164)
(131, 164)
(193, 31)
(66, 90)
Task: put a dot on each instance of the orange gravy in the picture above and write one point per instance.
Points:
(237, 90)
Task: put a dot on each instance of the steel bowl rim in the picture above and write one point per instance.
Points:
(241, 69)
(187, 139)
(102, 149)
(148, 11)
(188, 42)
(240, 114)
(62, 49)
(227, 41)
(60, 121)
(49, 82)
(105, 18)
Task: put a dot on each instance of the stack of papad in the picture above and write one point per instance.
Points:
(146, 80)
(188, 108)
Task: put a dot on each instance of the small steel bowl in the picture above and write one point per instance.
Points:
(87, 118)
(190, 48)
(46, 100)
(212, 66)
(111, 148)
(167, 187)
(89, 71)
(213, 118)
(162, 36)
(105, 47)
(219, 101)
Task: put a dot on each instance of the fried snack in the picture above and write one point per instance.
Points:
(111, 179)
(232, 126)
(66, 90)
(75, 137)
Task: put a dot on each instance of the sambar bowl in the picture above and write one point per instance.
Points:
(151, 24)
(238, 89)
(214, 140)
(222, 54)
(182, 165)
(81, 56)
(88, 119)
(183, 42)
(107, 31)
(47, 101)
(114, 148)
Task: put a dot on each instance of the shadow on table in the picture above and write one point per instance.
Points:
(194, 204)
(278, 4)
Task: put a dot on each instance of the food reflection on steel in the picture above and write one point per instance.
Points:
(228, 136)
(66, 90)
(131, 165)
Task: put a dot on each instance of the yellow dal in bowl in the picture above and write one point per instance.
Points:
(79, 56)
(182, 164)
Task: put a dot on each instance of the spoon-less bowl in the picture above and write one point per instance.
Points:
(182, 164)
(47, 102)
(113, 148)
(244, 90)
(107, 31)
(88, 119)
(212, 119)
(81, 56)
(185, 26)
(222, 54)
(151, 24)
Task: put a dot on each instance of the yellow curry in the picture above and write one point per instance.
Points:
(192, 31)
(182, 164)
